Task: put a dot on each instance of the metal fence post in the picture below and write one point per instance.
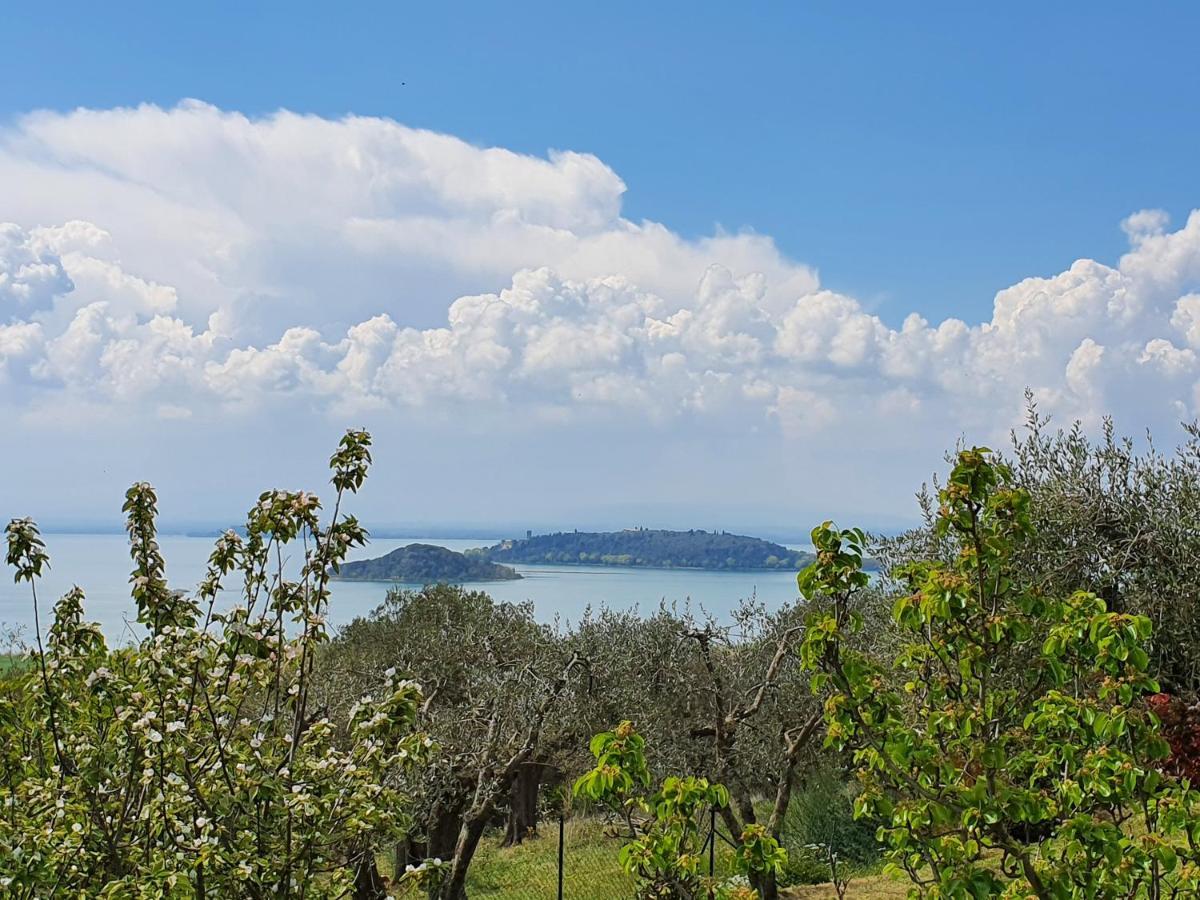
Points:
(561, 834)
(712, 849)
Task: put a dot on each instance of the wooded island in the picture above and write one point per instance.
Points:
(647, 547)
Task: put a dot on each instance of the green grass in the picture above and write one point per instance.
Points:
(869, 887)
(12, 663)
(531, 869)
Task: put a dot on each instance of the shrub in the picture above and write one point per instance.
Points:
(821, 825)
(805, 865)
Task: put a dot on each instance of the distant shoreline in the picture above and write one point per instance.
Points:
(575, 567)
(869, 565)
(421, 583)
(533, 570)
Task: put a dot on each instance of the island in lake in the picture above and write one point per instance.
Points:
(647, 547)
(425, 564)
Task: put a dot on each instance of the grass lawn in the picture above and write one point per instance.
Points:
(11, 663)
(869, 887)
(531, 869)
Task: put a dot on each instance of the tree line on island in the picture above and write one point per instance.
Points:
(425, 564)
(648, 547)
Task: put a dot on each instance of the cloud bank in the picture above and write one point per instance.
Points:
(201, 264)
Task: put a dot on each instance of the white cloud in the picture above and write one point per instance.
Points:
(31, 276)
(204, 264)
(1084, 366)
(1145, 223)
(301, 219)
(1186, 318)
(1171, 360)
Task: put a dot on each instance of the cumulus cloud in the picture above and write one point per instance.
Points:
(31, 275)
(292, 218)
(196, 261)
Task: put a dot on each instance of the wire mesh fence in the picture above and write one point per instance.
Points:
(575, 852)
(569, 858)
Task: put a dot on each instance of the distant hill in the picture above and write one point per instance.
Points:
(425, 564)
(647, 547)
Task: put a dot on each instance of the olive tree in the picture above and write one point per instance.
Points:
(1111, 516)
(726, 701)
(495, 685)
(641, 668)
(755, 719)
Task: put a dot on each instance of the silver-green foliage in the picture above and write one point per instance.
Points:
(1109, 515)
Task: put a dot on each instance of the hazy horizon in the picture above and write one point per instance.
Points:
(461, 531)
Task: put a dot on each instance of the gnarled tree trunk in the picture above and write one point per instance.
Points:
(493, 783)
(523, 802)
(440, 834)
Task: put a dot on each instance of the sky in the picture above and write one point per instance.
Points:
(660, 264)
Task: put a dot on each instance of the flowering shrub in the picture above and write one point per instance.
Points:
(666, 831)
(191, 763)
(1006, 749)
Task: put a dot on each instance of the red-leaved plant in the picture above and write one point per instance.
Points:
(1181, 727)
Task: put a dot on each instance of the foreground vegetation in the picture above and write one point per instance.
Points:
(1012, 721)
(1008, 711)
(195, 763)
(593, 872)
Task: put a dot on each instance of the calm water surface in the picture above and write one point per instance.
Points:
(99, 563)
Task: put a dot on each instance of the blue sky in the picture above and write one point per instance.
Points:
(578, 266)
(920, 155)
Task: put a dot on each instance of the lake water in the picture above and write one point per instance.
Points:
(100, 564)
